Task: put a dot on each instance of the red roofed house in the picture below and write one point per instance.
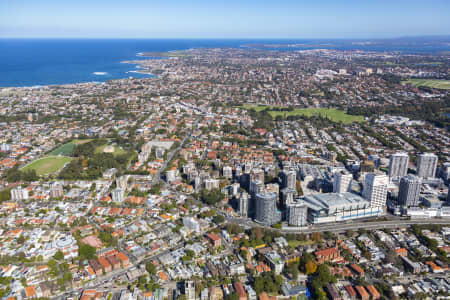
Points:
(363, 295)
(350, 291)
(373, 292)
(123, 259)
(215, 240)
(105, 264)
(212, 155)
(329, 254)
(240, 291)
(30, 292)
(114, 261)
(96, 266)
(358, 270)
(401, 252)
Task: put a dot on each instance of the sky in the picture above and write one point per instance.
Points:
(224, 19)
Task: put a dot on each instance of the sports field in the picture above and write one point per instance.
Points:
(117, 150)
(333, 114)
(67, 148)
(431, 83)
(48, 165)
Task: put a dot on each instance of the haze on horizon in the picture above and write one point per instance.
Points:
(224, 19)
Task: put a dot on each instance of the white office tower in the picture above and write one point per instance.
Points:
(211, 184)
(234, 189)
(189, 290)
(227, 172)
(288, 179)
(375, 189)
(426, 165)
(122, 182)
(117, 195)
(342, 182)
(296, 214)
(238, 171)
(243, 204)
(398, 165)
(19, 193)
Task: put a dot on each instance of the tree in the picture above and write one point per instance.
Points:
(292, 269)
(310, 267)
(277, 226)
(67, 277)
(306, 258)
(234, 228)
(324, 275)
(86, 251)
(21, 240)
(150, 267)
(257, 233)
(59, 255)
(316, 237)
(328, 235)
(232, 296)
(218, 219)
(182, 297)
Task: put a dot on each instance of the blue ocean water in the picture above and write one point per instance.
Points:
(30, 62)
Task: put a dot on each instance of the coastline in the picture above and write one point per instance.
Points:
(106, 59)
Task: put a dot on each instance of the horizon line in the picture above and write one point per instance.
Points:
(226, 38)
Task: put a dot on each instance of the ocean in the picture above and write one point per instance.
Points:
(31, 62)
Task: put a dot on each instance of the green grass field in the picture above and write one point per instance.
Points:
(117, 150)
(333, 114)
(295, 243)
(431, 83)
(48, 165)
(67, 148)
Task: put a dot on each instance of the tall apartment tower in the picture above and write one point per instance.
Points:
(409, 190)
(19, 193)
(287, 196)
(243, 204)
(56, 190)
(257, 174)
(256, 187)
(288, 179)
(426, 165)
(266, 209)
(342, 182)
(189, 289)
(117, 195)
(375, 189)
(296, 214)
(398, 165)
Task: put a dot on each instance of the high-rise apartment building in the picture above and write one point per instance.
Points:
(398, 165)
(375, 189)
(426, 165)
(342, 182)
(409, 190)
(266, 209)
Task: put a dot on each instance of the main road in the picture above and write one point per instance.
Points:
(340, 227)
(157, 177)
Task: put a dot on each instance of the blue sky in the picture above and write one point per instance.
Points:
(224, 19)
